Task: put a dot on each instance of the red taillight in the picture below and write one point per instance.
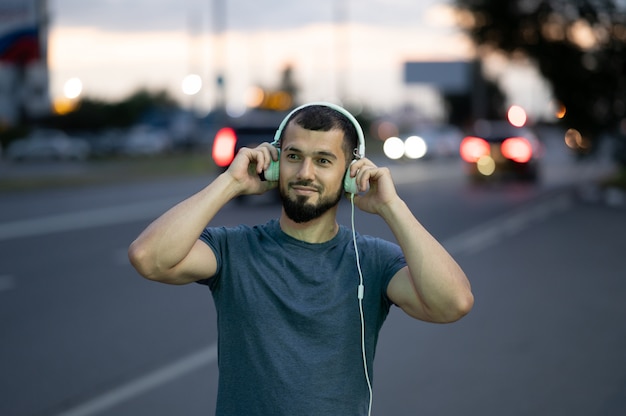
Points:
(517, 149)
(473, 148)
(224, 146)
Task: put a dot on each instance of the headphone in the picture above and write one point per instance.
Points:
(349, 183)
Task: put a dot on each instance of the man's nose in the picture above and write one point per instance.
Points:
(307, 170)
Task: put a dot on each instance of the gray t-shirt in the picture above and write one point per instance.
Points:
(289, 327)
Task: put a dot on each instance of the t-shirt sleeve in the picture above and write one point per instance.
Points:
(391, 260)
(214, 237)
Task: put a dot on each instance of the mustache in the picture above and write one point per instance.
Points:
(304, 183)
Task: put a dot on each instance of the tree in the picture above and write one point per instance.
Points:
(92, 114)
(579, 46)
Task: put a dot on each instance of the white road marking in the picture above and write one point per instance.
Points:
(7, 282)
(479, 238)
(145, 383)
(415, 172)
(84, 219)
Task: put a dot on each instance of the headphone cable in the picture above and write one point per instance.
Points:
(360, 294)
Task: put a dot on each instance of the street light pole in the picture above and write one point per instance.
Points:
(219, 23)
(341, 47)
(192, 83)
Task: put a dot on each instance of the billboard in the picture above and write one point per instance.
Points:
(23, 60)
(19, 32)
(453, 77)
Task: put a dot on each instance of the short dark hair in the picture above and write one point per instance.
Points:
(322, 118)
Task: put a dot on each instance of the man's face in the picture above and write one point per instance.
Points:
(312, 167)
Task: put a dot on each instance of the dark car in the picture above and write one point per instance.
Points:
(249, 130)
(497, 149)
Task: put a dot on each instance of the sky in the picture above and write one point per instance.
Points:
(337, 48)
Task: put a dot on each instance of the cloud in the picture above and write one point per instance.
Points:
(119, 15)
(241, 15)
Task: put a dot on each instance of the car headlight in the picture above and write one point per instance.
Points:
(415, 147)
(393, 148)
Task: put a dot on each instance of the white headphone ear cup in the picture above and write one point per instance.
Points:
(272, 172)
(349, 183)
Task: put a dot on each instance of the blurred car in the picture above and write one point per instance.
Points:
(432, 142)
(107, 143)
(48, 144)
(498, 149)
(249, 130)
(144, 140)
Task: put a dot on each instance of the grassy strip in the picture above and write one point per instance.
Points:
(616, 181)
(99, 172)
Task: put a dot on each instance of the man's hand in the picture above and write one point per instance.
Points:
(247, 167)
(377, 185)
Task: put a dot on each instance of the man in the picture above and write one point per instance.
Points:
(300, 300)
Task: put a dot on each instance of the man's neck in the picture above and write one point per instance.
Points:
(319, 230)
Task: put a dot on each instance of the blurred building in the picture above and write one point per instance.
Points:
(24, 92)
(461, 84)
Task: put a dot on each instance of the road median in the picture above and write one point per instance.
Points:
(51, 174)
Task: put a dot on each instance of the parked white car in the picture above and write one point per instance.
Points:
(146, 140)
(48, 144)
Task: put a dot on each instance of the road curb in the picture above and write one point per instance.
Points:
(609, 196)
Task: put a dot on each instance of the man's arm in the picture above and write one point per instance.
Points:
(169, 249)
(432, 287)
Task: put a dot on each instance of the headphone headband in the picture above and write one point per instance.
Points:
(339, 109)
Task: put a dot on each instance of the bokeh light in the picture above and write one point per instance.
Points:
(517, 116)
(415, 147)
(224, 146)
(517, 149)
(386, 129)
(560, 111)
(64, 105)
(254, 96)
(393, 148)
(192, 84)
(486, 165)
(72, 88)
(473, 148)
(576, 141)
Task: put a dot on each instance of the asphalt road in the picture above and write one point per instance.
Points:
(82, 334)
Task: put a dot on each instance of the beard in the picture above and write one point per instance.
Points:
(300, 210)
